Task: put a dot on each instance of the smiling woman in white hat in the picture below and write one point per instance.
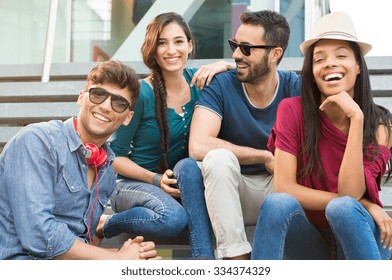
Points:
(331, 147)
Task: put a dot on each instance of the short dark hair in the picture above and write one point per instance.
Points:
(276, 27)
(117, 73)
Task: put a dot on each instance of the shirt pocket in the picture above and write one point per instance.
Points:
(72, 185)
(69, 194)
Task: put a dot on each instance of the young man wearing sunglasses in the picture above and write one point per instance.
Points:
(56, 177)
(231, 125)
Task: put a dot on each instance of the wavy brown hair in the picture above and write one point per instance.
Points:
(116, 73)
(149, 51)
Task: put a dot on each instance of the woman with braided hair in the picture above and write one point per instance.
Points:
(152, 151)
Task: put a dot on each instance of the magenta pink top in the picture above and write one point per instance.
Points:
(288, 135)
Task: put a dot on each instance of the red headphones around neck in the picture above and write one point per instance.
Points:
(96, 157)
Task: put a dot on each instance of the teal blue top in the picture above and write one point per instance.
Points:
(140, 140)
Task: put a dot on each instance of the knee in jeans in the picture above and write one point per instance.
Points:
(184, 164)
(280, 203)
(188, 175)
(186, 168)
(177, 224)
(277, 209)
(340, 207)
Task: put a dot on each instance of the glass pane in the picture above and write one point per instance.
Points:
(294, 13)
(93, 30)
(23, 27)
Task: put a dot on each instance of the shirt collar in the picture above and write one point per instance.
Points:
(75, 143)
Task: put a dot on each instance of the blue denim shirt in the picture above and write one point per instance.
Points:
(45, 202)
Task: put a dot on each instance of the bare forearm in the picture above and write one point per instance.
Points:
(131, 170)
(310, 199)
(83, 251)
(245, 155)
(132, 249)
(351, 180)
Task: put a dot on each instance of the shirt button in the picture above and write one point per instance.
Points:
(185, 126)
(183, 147)
(183, 119)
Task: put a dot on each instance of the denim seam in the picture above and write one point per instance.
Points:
(287, 225)
(190, 232)
(335, 232)
(148, 194)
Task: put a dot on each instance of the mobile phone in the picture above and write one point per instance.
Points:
(174, 185)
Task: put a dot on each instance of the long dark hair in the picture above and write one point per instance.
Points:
(149, 51)
(374, 114)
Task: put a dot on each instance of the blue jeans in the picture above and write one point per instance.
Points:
(144, 209)
(190, 183)
(283, 231)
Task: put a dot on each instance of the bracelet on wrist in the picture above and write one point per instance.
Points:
(156, 180)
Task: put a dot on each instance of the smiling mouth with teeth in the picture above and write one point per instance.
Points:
(100, 117)
(333, 77)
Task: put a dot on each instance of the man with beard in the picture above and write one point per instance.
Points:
(231, 125)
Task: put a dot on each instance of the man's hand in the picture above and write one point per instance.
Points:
(137, 249)
(205, 73)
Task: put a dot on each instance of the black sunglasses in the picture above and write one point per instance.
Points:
(98, 95)
(245, 48)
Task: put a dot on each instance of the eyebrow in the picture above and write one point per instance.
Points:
(177, 37)
(335, 49)
(242, 42)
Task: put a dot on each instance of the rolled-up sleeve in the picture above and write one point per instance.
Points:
(374, 170)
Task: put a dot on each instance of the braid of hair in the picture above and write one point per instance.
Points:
(160, 95)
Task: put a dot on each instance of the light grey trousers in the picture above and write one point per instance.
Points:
(233, 201)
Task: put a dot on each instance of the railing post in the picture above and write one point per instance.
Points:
(49, 40)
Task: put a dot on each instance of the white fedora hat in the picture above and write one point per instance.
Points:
(338, 26)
